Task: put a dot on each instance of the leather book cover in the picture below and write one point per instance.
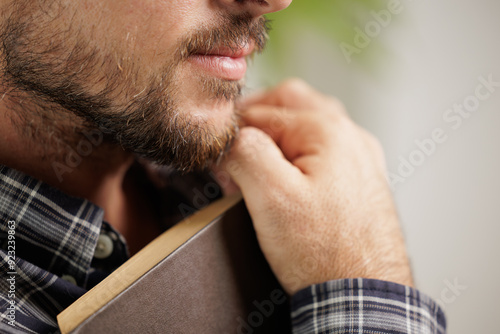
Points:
(204, 275)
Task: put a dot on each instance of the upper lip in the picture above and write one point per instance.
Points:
(226, 51)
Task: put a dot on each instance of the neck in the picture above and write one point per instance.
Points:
(81, 165)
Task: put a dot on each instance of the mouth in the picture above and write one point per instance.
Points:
(223, 62)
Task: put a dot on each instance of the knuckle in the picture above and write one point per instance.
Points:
(336, 105)
(374, 144)
(294, 85)
(249, 133)
(339, 120)
(252, 138)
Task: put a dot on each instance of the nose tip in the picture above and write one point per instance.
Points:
(276, 5)
(257, 7)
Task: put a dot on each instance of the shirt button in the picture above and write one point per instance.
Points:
(69, 278)
(104, 247)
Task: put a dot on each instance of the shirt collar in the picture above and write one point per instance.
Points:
(55, 231)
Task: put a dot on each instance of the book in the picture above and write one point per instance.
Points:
(206, 274)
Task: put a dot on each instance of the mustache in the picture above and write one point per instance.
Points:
(235, 32)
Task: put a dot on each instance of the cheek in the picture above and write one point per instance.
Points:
(148, 28)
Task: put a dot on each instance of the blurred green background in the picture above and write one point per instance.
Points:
(332, 21)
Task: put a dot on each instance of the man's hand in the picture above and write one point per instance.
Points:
(314, 183)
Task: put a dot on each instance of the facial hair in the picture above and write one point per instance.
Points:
(80, 83)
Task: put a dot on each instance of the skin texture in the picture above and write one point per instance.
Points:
(314, 182)
(143, 87)
(124, 69)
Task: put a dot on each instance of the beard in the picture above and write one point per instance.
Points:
(61, 76)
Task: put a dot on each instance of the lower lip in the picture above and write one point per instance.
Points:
(228, 68)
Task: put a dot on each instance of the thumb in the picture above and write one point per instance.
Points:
(255, 163)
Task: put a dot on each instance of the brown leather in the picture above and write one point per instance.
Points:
(217, 282)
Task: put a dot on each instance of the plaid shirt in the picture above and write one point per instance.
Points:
(48, 241)
(365, 306)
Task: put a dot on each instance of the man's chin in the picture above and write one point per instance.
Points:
(216, 118)
(214, 112)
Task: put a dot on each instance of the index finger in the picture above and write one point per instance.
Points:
(293, 94)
